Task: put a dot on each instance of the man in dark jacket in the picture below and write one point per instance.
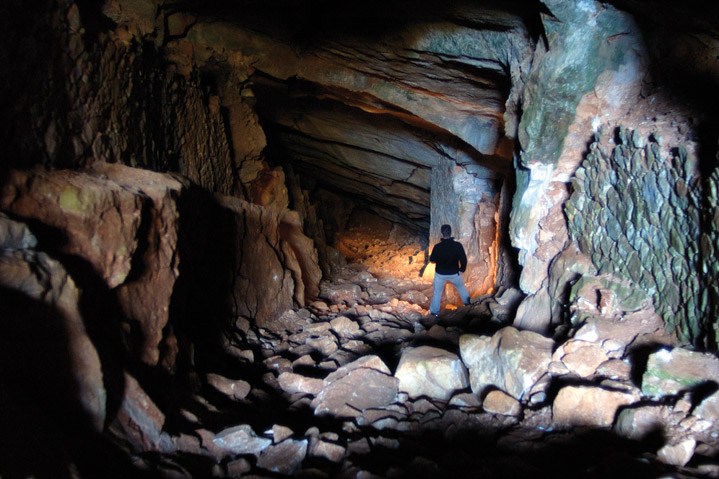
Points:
(451, 259)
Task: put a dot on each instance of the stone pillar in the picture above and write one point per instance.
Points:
(469, 203)
(443, 204)
(588, 75)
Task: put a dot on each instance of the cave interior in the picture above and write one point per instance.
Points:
(216, 219)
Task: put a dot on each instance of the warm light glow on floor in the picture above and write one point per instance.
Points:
(386, 250)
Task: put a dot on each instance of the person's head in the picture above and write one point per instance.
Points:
(446, 231)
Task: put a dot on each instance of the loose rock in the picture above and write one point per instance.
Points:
(588, 406)
(430, 371)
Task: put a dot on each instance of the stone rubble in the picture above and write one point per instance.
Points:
(367, 384)
(389, 388)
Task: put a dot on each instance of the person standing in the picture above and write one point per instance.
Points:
(451, 260)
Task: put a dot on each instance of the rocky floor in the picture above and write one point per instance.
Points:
(322, 400)
(363, 383)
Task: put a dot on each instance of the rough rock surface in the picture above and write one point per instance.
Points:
(498, 402)
(36, 276)
(283, 458)
(672, 371)
(514, 361)
(270, 272)
(140, 420)
(432, 372)
(360, 385)
(589, 406)
(415, 111)
(367, 416)
(241, 440)
(639, 422)
(656, 256)
(115, 219)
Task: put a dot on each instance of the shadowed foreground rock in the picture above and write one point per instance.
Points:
(335, 390)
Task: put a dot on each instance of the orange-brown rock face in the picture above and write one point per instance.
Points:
(272, 262)
(122, 226)
(119, 221)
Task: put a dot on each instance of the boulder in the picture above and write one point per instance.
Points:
(232, 388)
(325, 344)
(465, 400)
(260, 265)
(678, 454)
(359, 385)
(238, 467)
(534, 313)
(140, 421)
(708, 408)
(43, 331)
(279, 433)
(327, 450)
(99, 219)
(671, 371)
(285, 457)
(615, 369)
(380, 294)
(241, 440)
(15, 235)
(637, 423)
(123, 222)
(347, 293)
(293, 383)
(589, 406)
(617, 332)
(430, 371)
(345, 327)
(499, 402)
(582, 358)
(514, 361)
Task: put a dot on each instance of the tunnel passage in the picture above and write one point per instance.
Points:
(351, 157)
(227, 351)
(410, 113)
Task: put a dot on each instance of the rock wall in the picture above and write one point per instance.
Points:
(710, 248)
(124, 101)
(578, 79)
(469, 201)
(594, 74)
(649, 206)
(146, 272)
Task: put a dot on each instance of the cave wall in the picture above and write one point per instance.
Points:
(109, 97)
(597, 72)
(354, 109)
(470, 204)
(118, 279)
(182, 100)
(124, 272)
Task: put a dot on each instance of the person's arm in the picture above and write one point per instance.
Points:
(462, 258)
(432, 257)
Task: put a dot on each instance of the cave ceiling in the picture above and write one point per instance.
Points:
(365, 98)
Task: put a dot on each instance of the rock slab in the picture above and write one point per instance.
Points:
(589, 406)
(672, 371)
(361, 384)
(513, 361)
(432, 372)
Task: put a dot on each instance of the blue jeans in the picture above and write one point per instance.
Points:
(438, 286)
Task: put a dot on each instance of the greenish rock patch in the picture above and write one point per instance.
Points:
(637, 214)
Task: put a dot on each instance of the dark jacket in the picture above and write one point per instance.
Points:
(449, 256)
